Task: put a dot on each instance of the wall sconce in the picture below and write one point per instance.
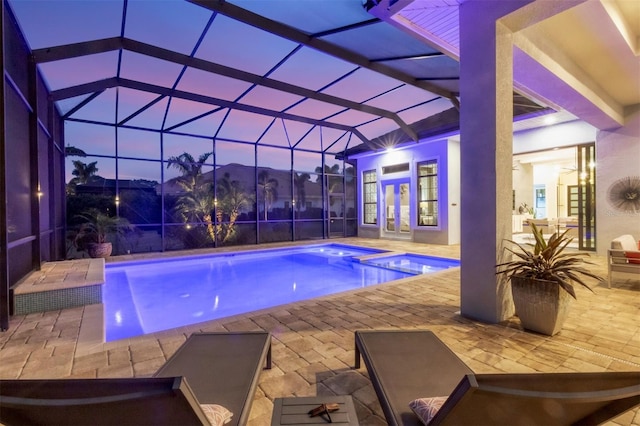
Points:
(117, 200)
(39, 193)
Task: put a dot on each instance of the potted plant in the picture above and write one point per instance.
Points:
(542, 280)
(92, 234)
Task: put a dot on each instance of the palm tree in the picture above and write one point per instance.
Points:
(349, 173)
(190, 168)
(299, 181)
(83, 173)
(333, 170)
(196, 205)
(333, 181)
(269, 189)
(232, 199)
(72, 151)
(197, 202)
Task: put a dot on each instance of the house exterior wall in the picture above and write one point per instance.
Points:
(447, 153)
(617, 152)
(618, 158)
(455, 204)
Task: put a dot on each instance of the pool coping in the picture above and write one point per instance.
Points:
(62, 275)
(59, 285)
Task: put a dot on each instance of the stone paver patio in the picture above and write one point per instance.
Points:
(313, 343)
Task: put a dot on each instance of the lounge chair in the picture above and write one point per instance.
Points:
(209, 368)
(222, 368)
(540, 399)
(149, 401)
(405, 365)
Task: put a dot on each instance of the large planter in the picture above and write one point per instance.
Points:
(542, 306)
(96, 250)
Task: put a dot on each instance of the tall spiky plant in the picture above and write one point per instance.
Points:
(548, 261)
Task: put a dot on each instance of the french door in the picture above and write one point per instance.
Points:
(396, 209)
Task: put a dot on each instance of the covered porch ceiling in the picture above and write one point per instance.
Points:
(576, 56)
(310, 75)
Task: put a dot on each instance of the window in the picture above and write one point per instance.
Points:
(370, 197)
(572, 195)
(428, 193)
(396, 168)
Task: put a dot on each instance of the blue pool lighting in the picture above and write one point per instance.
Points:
(150, 296)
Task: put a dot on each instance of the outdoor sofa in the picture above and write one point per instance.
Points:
(220, 369)
(414, 365)
(623, 256)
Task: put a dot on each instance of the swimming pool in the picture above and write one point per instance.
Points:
(150, 296)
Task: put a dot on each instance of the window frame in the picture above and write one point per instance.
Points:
(366, 184)
(432, 178)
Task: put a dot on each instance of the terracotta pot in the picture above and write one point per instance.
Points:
(99, 249)
(542, 306)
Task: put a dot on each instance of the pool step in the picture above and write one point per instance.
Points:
(59, 285)
(410, 263)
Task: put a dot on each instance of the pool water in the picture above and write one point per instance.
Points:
(412, 263)
(150, 296)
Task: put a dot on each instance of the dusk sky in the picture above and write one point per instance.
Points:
(178, 26)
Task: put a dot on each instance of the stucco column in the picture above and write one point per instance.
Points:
(486, 150)
(4, 259)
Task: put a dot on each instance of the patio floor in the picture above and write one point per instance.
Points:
(313, 343)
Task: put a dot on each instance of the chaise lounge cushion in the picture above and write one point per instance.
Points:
(216, 414)
(632, 256)
(427, 408)
(625, 243)
(624, 248)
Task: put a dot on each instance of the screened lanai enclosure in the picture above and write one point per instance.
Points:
(203, 123)
(210, 123)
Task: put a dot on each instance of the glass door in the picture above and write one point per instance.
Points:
(336, 215)
(335, 189)
(587, 197)
(397, 222)
(540, 199)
